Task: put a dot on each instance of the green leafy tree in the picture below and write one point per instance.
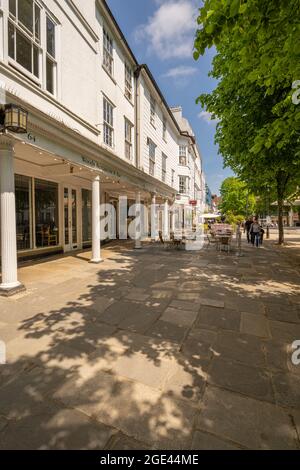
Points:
(236, 198)
(256, 64)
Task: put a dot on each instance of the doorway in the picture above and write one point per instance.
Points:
(70, 218)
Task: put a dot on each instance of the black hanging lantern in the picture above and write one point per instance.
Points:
(15, 119)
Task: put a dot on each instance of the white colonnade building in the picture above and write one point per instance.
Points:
(98, 128)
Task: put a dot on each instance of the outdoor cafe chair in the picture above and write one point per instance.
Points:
(225, 241)
(212, 240)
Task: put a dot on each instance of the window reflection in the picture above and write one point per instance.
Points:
(86, 215)
(23, 211)
(46, 213)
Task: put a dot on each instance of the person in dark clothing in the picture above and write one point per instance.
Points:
(262, 232)
(247, 228)
(255, 232)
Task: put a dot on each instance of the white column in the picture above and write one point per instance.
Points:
(172, 220)
(153, 218)
(166, 219)
(10, 281)
(138, 225)
(96, 238)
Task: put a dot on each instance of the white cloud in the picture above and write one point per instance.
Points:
(180, 72)
(206, 116)
(170, 31)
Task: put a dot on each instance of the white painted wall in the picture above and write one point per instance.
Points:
(82, 82)
(169, 146)
(114, 89)
(194, 168)
(81, 79)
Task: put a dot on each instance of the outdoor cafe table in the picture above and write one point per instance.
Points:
(220, 236)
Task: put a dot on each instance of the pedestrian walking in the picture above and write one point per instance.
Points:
(262, 232)
(255, 232)
(247, 227)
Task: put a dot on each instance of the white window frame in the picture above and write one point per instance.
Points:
(128, 139)
(108, 52)
(152, 110)
(164, 159)
(183, 184)
(108, 122)
(128, 81)
(182, 155)
(38, 41)
(29, 36)
(51, 58)
(152, 148)
(164, 133)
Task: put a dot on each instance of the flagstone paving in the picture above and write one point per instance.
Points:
(154, 349)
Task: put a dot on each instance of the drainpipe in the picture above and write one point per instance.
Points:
(137, 123)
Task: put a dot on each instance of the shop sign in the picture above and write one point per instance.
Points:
(94, 164)
(193, 202)
(90, 162)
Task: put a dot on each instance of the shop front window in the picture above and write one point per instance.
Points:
(86, 215)
(23, 212)
(46, 213)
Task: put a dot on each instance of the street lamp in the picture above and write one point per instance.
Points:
(13, 118)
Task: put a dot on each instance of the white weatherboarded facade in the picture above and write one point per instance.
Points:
(90, 126)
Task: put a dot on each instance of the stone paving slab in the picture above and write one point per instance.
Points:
(199, 342)
(169, 331)
(218, 318)
(3, 424)
(212, 302)
(182, 318)
(241, 348)
(283, 331)
(296, 419)
(188, 296)
(287, 389)
(256, 325)
(24, 394)
(133, 408)
(188, 380)
(156, 348)
(123, 442)
(245, 305)
(182, 305)
(139, 367)
(250, 381)
(158, 369)
(139, 321)
(279, 357)
(205, 441)
(245, 421)
(52, 428)
(283, 313)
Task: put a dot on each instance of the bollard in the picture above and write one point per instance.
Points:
(268, 231)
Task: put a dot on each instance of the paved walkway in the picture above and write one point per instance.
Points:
(153, 349)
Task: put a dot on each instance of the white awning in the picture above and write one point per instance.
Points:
(211, 216)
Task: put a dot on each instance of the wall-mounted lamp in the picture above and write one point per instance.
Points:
(13, 118)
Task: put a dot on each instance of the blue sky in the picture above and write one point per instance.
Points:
(160, 33)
